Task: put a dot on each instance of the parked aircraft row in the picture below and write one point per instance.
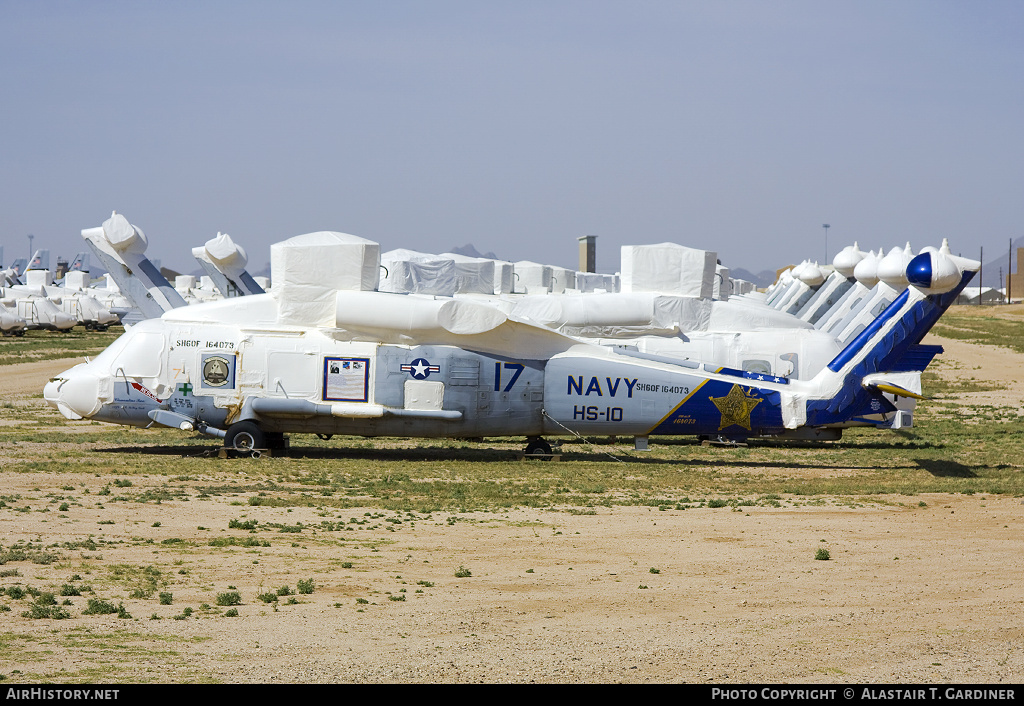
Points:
(328, 350)
(30, 299)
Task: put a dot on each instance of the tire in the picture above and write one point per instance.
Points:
(538, 447)
(244, 437)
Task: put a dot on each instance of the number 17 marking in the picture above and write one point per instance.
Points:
(517, 367)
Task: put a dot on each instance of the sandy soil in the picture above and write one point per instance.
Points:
(912, 593)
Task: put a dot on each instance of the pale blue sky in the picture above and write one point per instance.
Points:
(732, 125)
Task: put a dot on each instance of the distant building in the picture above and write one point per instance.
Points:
(989, 295)
(1016, 280)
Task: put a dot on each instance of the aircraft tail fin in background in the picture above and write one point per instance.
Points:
(121, 248)
(892, 342)
(224, 262)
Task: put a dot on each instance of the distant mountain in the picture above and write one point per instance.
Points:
(469, 251)
(761, 279)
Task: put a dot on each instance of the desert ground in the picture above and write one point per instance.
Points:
(926, 587)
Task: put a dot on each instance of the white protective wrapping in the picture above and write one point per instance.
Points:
(615, 316)
(562, 279)
(866, 270)
(668, 268)
(228, 256)
(723, 283)
(812, 274)
(412, 319)
(473, 275)
(742, 315)
(414, 272)
(795, 354)
(892, 269)
(123, 236)
(413, 315)
(76, 279)
(742, 286)
(38, 278)
(504, 277)
(533, 277)
(309, 269)
(846, 260)
(591, 282)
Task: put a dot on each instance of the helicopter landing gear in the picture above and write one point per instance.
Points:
(245, 439)
(537, 448)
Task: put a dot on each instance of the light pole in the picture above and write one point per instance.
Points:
(826, 226)
(30, 236)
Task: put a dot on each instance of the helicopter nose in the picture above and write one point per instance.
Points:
(106, 316)
(74, 393)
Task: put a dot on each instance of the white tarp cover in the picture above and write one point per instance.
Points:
(591, 282)
(533, 277)
(504, 277)
(795, 354)
(562, 279)
(228, 256)
(743, 315)
(473, 275)
(668, 268)
(123, 236)
(413, 314)
(76, 279)
(742, 286)
(615, 315)
(417, 273)
(307, 271)
(723, 284)
(38, 278)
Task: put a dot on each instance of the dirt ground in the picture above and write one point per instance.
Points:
(911, 593)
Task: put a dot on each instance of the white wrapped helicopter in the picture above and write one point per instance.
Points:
(324, 352)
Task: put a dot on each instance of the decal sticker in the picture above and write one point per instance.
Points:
(346, 380)
(735, 408)
(420, 368)
(145, 391)
(218, 371)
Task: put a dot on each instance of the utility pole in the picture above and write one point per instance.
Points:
(1009, 271)
(981, 271)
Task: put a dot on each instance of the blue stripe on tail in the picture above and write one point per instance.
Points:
(887, 355)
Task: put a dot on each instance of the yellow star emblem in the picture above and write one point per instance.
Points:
(735, 408)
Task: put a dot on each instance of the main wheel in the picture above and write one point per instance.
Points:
(244, 437)
(538, 447)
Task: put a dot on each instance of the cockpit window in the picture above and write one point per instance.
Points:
(142, 358)
(137, 354)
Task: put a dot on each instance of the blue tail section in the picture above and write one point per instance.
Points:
(915, 321)
(898, 349)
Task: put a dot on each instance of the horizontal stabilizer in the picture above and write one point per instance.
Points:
(895, 390)
(916, 359)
